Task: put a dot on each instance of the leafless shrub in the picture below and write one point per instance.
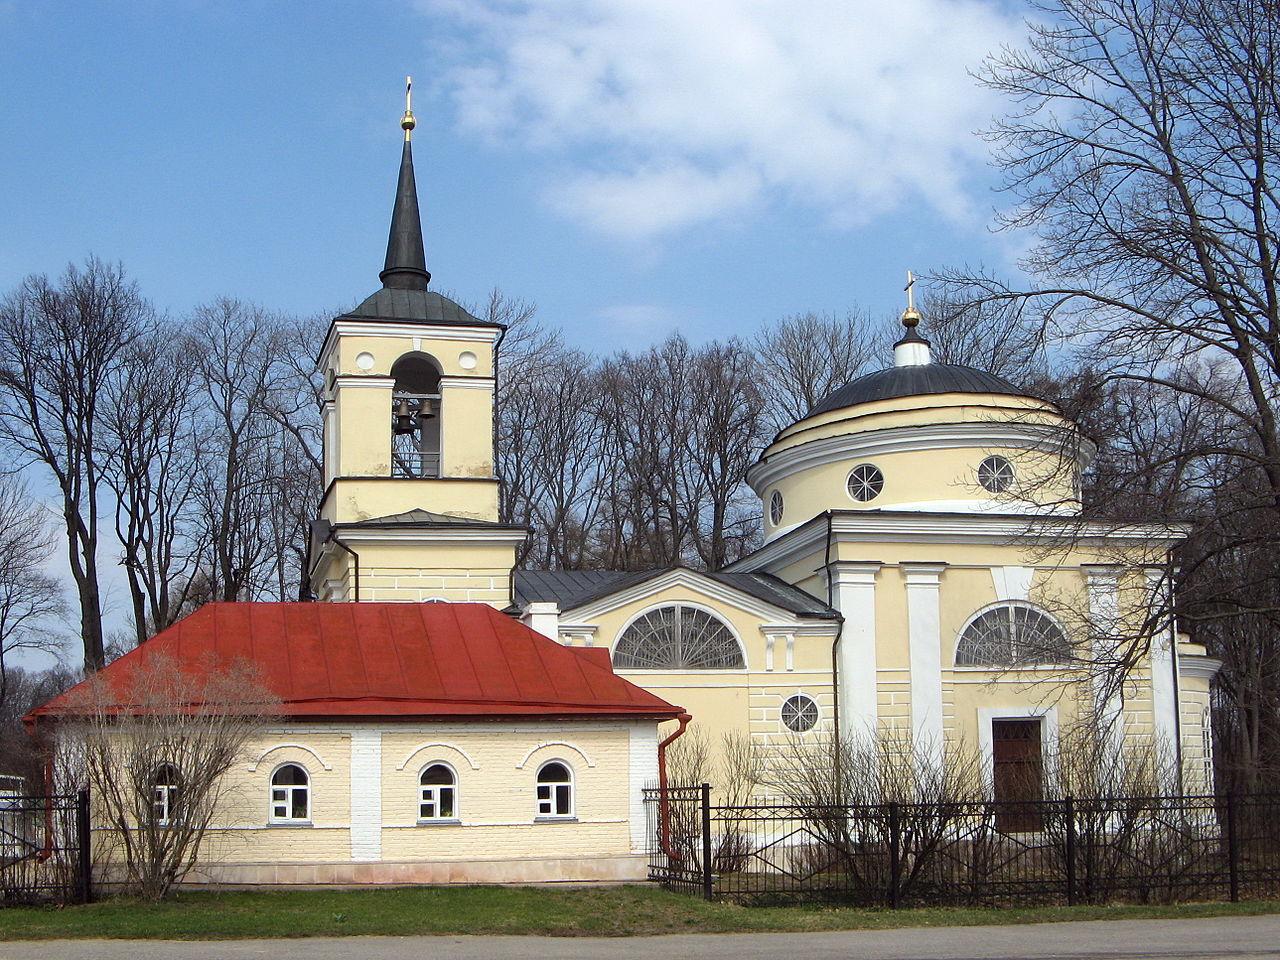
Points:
(153, 747)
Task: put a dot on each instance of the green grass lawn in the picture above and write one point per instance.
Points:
(608, 911)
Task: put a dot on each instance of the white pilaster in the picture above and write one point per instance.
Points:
(643, 771)
(366, 794)
(924, 639)
(1103, 585)
(1164, 704)
(854, 595)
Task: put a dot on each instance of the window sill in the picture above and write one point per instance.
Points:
(290, 824)
(555, 819)
(440, 822)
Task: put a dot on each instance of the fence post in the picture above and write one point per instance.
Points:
(1069, 814)
(708, 892)
(84, 858)
(895, 857)
(1233, 848)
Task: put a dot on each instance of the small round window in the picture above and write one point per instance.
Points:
(995, 474)
(865, 482)
(775, 508)
(799, 713)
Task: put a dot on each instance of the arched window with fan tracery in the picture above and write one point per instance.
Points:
(678, 637)
(1012, 635)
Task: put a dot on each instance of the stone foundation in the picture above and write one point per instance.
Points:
(579, 869)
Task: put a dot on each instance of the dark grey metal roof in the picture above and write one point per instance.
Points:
(909, 381)
(392, 304)
(406, 263)
(576, 588)
(426, 518)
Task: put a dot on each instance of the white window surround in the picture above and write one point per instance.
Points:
(864, 483)
(435, 798)
(284, 796)
(996, 474)
(986, 747)
(165, 784)
(799, 713)
(554, 798)
(693, 605)
(983, 611)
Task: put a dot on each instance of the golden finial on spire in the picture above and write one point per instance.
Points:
(910, 316)
(407, 121)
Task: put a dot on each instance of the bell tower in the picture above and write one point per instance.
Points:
(410, 506)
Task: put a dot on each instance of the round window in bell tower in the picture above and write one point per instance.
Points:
(775, 507)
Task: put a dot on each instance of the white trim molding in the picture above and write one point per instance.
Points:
(555, 743)
(295, 746)
(437, 745)
(1048, 739)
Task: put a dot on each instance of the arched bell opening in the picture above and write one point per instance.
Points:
(415, 417)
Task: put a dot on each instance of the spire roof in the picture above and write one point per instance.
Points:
(406, 264)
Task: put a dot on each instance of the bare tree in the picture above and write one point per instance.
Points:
(234, 348)
(805, 357)
(151, 448)
(61, 343)
(1141, 151)
(154, 747)
(30, 601)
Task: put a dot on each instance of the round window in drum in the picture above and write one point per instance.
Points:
(995, 473)
(799, 713)
(775, 507)
(865, 482)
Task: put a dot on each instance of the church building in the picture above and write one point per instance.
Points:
(925, 568)
(925, 573)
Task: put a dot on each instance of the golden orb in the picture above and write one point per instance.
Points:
(910, 318)
(407, 122)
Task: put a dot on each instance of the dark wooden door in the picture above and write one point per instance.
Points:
(1017, 773)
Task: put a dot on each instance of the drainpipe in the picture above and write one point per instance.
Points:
(664, 810)
(333, 538)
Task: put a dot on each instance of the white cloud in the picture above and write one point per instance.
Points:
(634, 326)
(666, 113)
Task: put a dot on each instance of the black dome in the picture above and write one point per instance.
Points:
(909, 381)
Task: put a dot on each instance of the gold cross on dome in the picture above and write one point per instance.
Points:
(911, 282)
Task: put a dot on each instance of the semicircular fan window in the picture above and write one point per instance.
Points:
(677, 637)
(1011, 635)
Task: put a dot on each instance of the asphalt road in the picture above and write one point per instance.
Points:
(1219, 938)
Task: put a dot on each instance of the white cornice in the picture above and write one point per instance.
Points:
(468, 383)
(1042, 438)
(695, 583)
(358, 535)
(1195, 667)
(423, 329)
(893, 526)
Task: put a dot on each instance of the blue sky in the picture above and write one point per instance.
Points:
(632, 166)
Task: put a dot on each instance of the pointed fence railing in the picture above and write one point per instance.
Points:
(45, 852)
(1064, 851)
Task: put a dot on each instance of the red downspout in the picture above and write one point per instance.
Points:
(664, 812)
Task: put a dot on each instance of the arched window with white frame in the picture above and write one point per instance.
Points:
(555, 789)
(678, 637)
(1012, 634)
(290, 794)
(438, 793)
(165, 790)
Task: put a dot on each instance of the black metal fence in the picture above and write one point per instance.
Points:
(44, 849)
(1068, 851)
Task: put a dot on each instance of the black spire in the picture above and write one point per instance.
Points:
(406, 266)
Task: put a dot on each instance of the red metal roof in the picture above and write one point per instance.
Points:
(393, 660)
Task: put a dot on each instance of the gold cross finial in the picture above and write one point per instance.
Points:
(910, 317)
(407, 121)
